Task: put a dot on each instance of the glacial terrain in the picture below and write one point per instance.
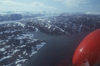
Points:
(42, 40)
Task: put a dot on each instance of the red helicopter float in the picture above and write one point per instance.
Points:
(88, 51)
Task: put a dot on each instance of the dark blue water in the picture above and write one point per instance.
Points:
(58, 48)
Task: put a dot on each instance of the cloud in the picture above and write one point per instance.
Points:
(93, 13)
(73, 3)
(10, 5)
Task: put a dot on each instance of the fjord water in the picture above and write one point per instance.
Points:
(57, 49)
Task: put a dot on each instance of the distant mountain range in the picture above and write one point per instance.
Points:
(65, 23)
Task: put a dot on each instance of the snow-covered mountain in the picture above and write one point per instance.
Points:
(18, 16)
(17, 41)
(17, 44)
(66, 24)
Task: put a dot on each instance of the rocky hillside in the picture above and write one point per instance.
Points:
(66, 24)
(17, 44)
(17, 41)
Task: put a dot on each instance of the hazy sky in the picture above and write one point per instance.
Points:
(51, 5)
